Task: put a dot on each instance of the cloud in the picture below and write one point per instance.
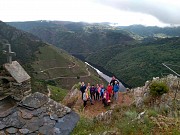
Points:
(166, 11)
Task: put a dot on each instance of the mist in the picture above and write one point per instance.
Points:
(166, 11)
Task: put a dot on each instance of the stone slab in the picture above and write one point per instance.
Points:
(17, 71)
(35, 101)
(67, 123)
(55, 108)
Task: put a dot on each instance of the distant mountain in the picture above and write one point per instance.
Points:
(76, 38)
(45, 63)
(153, 31)
(133, 53)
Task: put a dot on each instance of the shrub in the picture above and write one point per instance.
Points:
(51, 82)
(77, 86)
(152, 112)
(57, 93)
(158, 88)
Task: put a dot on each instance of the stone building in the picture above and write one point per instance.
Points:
(14, 81)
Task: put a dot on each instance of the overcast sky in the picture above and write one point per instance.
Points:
(123, 12)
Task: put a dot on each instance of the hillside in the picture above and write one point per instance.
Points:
(76, 38)
(140, 62)
(45, 63)
(23, 43)
(59, 68)
(114, 48)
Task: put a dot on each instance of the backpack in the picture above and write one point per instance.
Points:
(84, 97)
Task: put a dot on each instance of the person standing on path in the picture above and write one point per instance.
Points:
(116, 90)
(106, 98)
(110, 90)
(112, 83)
(82, 88)
(92, 92)
(97, 90)
(85, 98)
(102, 92)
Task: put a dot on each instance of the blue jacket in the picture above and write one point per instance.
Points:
(116, 88)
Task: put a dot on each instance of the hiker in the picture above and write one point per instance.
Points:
(112, 82)
(97, 91)
(88, 86)
(88, 90)
(82, 88)
(116, 89)
(110, 90)
(102, 92)
(92, 92)
(106, 100)
(85, 98)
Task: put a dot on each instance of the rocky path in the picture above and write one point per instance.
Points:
(93, 110)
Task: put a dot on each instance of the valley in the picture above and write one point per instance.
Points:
(132, 58)
(133, 54)
(45, 63)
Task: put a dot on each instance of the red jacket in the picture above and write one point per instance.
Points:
(109, 89)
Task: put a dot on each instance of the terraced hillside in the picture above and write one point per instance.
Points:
(53, 64)
(43, 62)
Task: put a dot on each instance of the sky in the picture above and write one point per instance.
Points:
(121, 12)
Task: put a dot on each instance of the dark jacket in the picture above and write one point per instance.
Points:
(83, 88)
(92, 90)
(113, 82)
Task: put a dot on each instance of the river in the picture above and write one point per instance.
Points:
(106, 77)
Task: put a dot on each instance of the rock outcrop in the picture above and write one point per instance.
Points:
(169, 101)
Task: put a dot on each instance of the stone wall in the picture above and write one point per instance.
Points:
(38, 114)
(8, 86)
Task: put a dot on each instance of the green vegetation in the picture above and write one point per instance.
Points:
(124, 121)
(57, 93)
(158, 88)
(147, 31)
(38, 86)
(43, 62)
(113, 48)
(24, 44)
(137, 63)
(77, 86)
(52, 63)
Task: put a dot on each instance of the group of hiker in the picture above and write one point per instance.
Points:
(100, 93)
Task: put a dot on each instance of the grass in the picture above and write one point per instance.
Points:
(49, 57)
(123, 121)
(57, 93)
(87, 126)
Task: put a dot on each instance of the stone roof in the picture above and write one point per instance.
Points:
(38, 114)
(17, 71)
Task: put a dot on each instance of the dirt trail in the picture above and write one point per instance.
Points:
(93, 110)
